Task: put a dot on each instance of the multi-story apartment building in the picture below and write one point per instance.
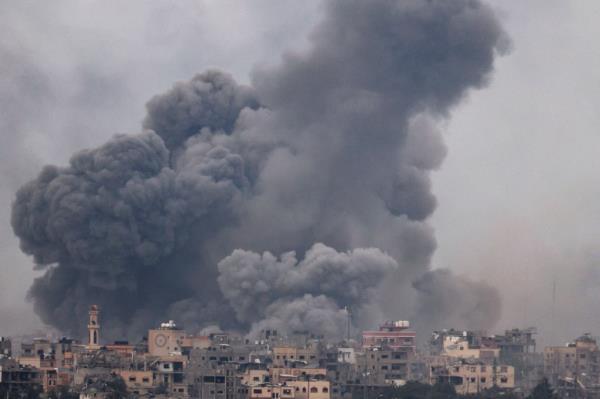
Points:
(391, 334)
(474, 377)
(579, 360)
(286, 355)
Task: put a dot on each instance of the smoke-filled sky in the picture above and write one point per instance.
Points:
(515, 195)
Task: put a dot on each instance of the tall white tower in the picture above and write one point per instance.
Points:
(94, 328)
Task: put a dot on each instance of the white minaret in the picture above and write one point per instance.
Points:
(94, 328)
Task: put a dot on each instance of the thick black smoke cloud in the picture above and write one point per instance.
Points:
(327, 154)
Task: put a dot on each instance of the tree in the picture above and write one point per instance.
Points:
(117, 388)
(417, 390)
(443, 390)
(543, 390)
(62, 392)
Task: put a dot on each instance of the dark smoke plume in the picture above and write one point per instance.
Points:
(262, 287)
(328, 154)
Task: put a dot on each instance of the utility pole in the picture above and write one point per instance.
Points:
(348, 320)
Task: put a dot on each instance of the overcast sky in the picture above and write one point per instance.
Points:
(518, 193)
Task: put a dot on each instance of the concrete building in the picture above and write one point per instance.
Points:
(252, 377)
(385, 366)
(459, 347)
(284, 356)
(138, 382)
(579, 360)
(166, 339)
(15, 377)
(472, 378)
(170, 373)
(394, 335)
(270, 391)
(216, 355)
(280, 375)
(222, 382)
(346, 355)
(518, 349)
(310, 389)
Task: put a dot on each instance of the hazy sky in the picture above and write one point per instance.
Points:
(518, 193)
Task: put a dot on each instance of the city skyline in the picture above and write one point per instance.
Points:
(533, 209)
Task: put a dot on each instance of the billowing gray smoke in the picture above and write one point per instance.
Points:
(259, 287)
(327, 154)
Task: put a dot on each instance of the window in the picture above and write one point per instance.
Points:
(314, 390)
(325, 390)
(304, 389)
(258, 391)
(145, 379)
(472, 379)
(483, 369)
(132, 378)
(503, 380)
(503, 369)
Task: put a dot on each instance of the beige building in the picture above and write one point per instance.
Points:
(474, 378)
(385, 366)
(283, 355)
(459, 347)
(196, 342)
(138, 382)
(271, 391)
(311, 389)
(283, 374)
(170, 372)
(255, 377)
(166, 339)
(580, 359)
